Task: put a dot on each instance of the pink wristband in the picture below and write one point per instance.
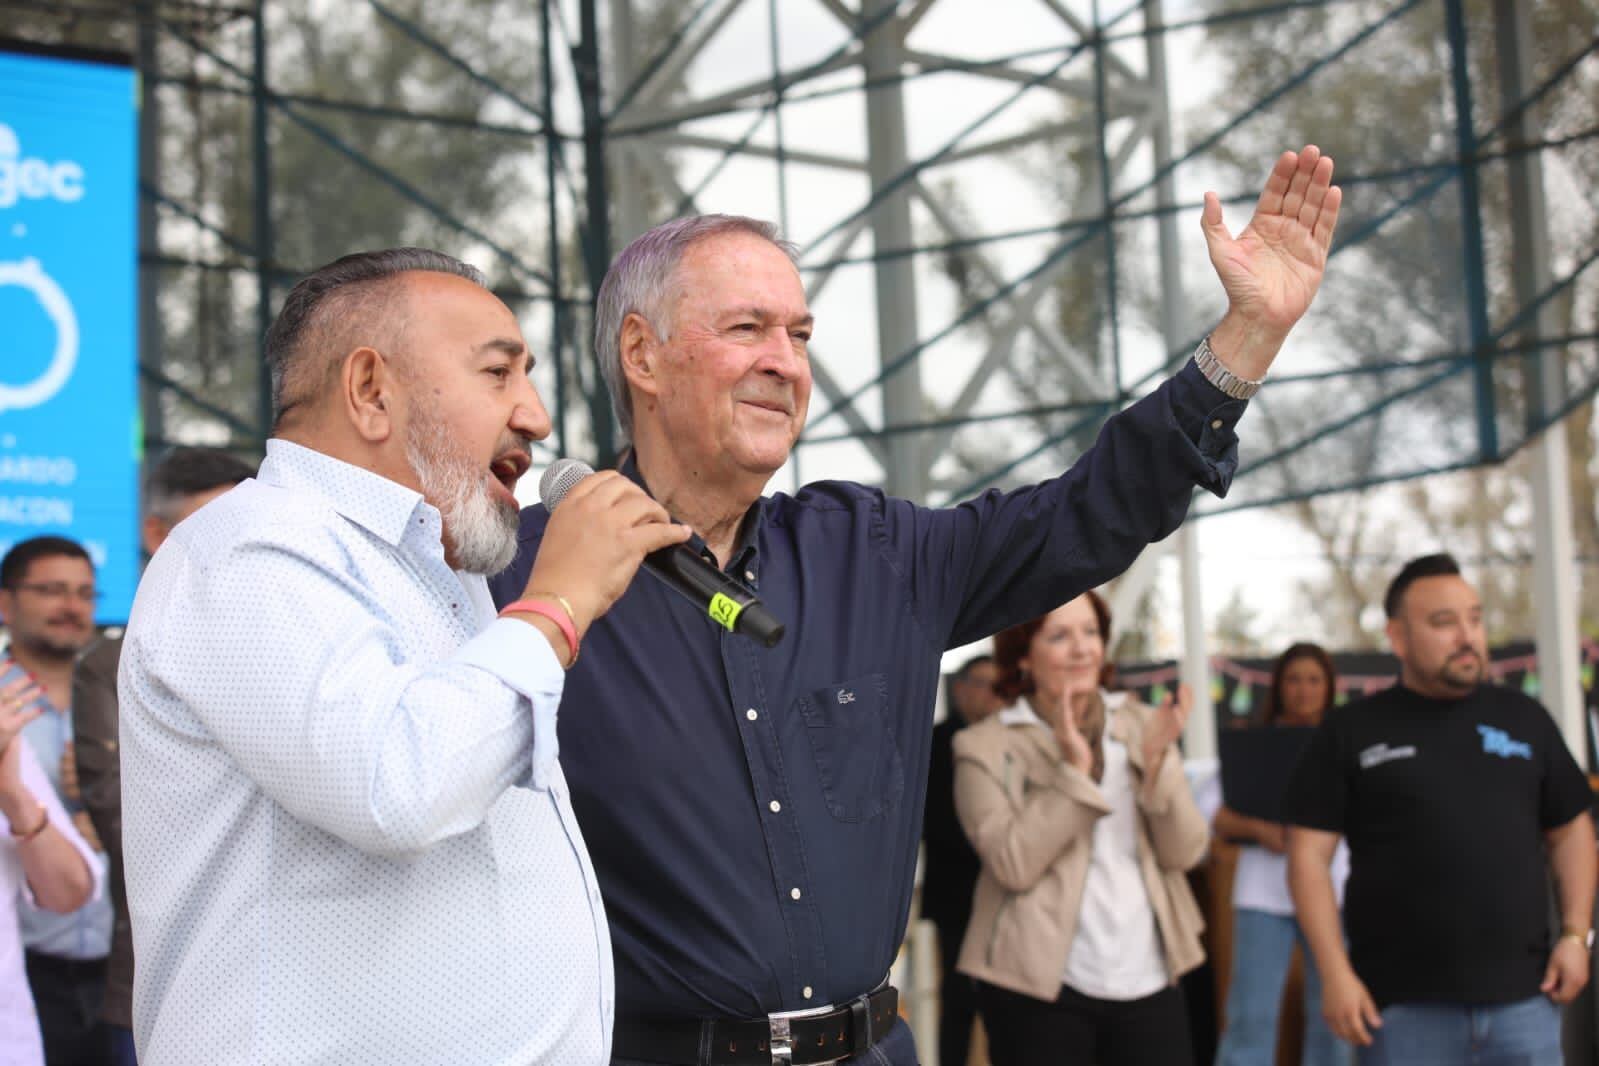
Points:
(556, 611)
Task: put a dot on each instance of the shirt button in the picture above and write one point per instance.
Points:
(1215, 423)
(806, 991)
(794, 893)
(775, 806)
(749, 575)
(751, 715)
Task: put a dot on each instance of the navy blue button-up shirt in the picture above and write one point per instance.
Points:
(753, 814)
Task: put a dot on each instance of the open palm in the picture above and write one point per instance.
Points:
(1272, 269)
(1166, 724)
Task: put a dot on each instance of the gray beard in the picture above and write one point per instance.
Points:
(482, 530)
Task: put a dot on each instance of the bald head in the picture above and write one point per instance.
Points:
(354, 302)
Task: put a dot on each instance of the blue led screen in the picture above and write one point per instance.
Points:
(69, 450)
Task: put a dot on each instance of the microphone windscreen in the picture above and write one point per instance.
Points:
(559, 479)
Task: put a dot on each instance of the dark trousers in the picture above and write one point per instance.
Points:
(957, 1000)
(1079, 1030)
(68, 995)
(897, 1048)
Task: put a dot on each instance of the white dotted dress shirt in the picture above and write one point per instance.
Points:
(348, 838)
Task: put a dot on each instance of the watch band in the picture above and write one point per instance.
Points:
(1225, 380)
(1581, 936)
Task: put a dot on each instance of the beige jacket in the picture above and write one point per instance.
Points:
(1031, 818)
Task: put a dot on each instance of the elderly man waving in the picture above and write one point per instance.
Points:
(755, 812)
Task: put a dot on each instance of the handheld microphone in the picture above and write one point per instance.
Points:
(724, 601)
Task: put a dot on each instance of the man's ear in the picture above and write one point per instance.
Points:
(638, 346)
(368, 388)
(1396, 637)
(152, 531)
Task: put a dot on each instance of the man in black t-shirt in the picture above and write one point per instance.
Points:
(1454, 795)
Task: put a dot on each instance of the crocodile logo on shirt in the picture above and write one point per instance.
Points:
(1498, 742)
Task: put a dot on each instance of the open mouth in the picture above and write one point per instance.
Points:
(509, 468)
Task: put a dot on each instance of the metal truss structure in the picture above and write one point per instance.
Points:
(995, 207)
(906, 146)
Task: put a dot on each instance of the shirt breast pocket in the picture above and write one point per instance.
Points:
(857, 759)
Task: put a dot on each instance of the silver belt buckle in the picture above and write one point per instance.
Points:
(782, 1029)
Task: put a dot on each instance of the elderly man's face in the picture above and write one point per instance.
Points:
(471, 411)
(734, 377)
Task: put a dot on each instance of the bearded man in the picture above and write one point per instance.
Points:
(347, 835)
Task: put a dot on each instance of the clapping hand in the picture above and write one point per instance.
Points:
(1073, 745)
(1165, 726)
(19, 705)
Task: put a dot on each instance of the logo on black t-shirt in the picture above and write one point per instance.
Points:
(1378, 754)
(1498, 742)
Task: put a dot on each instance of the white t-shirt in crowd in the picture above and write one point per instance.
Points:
(1260, 882)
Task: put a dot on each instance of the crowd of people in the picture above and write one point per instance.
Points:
(394, 770)
(1444, 802)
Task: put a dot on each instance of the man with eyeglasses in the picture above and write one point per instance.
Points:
(47, 597)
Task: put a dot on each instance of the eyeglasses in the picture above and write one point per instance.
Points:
(60, 590)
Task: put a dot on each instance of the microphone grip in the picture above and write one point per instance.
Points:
(724, 601)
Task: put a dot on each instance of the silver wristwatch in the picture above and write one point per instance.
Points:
(1225, 380)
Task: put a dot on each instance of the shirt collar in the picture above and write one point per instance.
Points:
(745, 552)
(1021, 712)
(384, 507)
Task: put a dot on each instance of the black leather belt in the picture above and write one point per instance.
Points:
(801, 1038)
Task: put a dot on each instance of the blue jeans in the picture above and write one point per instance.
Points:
(123, 1053)
(1524, 1033)
(1262, 947)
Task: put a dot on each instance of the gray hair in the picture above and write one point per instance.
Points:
(312, 331)
(642, 281)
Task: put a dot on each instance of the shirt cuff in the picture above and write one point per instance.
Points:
(1209, 418)
(518, 655)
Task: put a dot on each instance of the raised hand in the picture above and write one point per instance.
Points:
(19, 705)
(1074, 746)
(1165, 726)
(1272, 269)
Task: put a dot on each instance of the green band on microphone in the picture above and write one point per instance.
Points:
(724, 611)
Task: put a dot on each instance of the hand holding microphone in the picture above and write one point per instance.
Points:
(726, 602)
(591, 551)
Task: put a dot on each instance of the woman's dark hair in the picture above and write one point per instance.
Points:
(1011, 645)
(1295, 652)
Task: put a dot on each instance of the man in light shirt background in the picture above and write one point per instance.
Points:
(348, 837)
